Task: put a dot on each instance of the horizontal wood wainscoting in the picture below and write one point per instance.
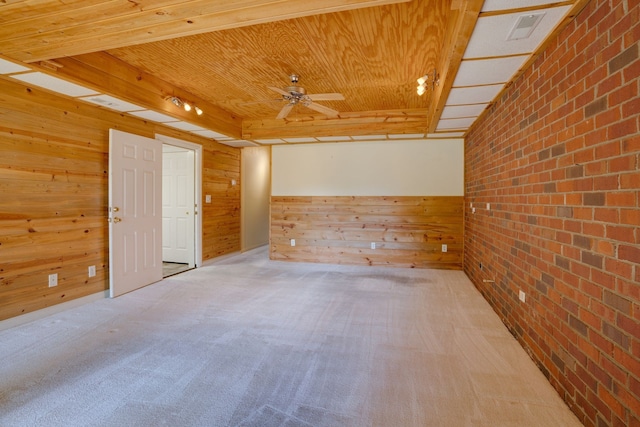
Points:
(407, 231)
(54, 155)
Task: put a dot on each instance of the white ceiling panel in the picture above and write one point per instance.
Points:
(333, 138)
(112, 103)
(494, 5)
(293, 140)
(189, 127)
(455, 123)
(458, 111)
(473, 95)
(154, 116)
(446, 135)
(209, 134)
(212, 134)
(271, 141)
(368, 137)
(238, 143)
(407, 136)
(8, 67)
(488, 71)
(489, 37)
(54, 84)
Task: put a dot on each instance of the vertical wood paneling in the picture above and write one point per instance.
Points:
(407, 231)
(53, 196)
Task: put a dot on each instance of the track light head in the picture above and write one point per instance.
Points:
(178, 102)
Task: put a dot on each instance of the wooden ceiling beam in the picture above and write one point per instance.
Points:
(462, 21)
(54, 29)
(370, 123)
(108, 75)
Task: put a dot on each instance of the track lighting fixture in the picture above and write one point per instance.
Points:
(428, 81)
(178, 102)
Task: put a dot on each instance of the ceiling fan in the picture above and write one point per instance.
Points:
(295, 94)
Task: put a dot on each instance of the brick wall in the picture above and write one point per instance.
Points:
(558, 159)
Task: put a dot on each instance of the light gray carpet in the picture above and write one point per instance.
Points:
(249, 342)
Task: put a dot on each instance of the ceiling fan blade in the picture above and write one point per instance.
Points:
(285, 111)
(266, 101)
(326, 97)
(322, 109)
(280, 91)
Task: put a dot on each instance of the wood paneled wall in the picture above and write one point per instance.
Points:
(407, 231)
(53, 195)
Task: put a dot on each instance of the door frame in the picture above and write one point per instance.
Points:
(197, 150)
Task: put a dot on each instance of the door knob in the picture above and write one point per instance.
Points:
(116, 219)
(116, 209)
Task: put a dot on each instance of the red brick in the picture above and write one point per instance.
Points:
(608, 150)
(619, 268)
(632, 144)
(623, 94)
(620, 164)
(623, 128)
(620, 233)
(630, 217)
(606, 215)
(608, 117)
(629, 325)
(607, 182)
(611, 402)
(622, 198)
(605, 248)
(630, 180)
(629, 253)
(593, 229)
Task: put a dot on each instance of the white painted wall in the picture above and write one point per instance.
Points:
(433, 167)
(255, 174)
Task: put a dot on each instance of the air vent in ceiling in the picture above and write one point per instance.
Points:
(524, 26)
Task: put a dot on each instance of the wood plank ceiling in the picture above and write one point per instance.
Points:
(223, 56)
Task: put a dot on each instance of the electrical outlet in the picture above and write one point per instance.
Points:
(207, 198)
(373, 245)
(473, 210)
(488, 206)
(92, 271)
(53, 280)
(521, 296)
(444, 248)
(293, 242)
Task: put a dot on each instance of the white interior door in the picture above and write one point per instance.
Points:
(178, 208)
(135, 212)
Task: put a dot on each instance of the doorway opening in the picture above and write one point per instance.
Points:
(181, 224)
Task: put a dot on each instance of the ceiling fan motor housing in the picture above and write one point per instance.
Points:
(296, 90)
